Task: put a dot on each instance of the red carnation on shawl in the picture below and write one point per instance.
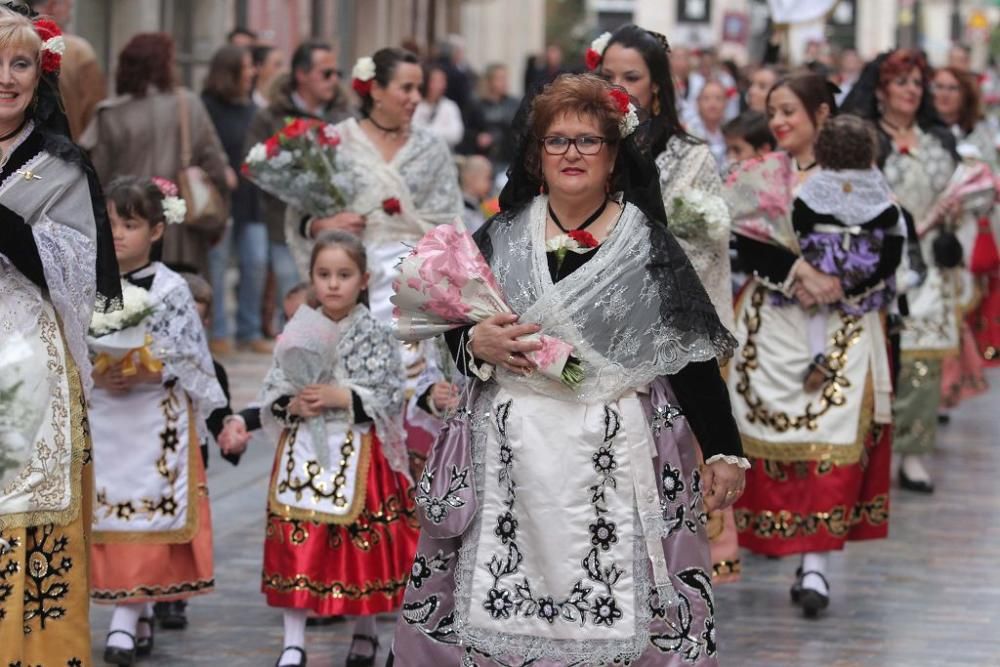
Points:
(584, 238)
(391, 206)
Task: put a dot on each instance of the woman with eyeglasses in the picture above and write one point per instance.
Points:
(586, 544)
(958, 101)
(917, 155)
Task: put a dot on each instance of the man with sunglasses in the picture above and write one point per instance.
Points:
(311, 90)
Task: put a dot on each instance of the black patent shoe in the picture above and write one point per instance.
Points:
(144, 645)
(172, 615)
(917, 486)
(355, 660)
(114, 655)
(299, 650)
(811, 601)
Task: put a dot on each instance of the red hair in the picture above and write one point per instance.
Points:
(900, 63)
(147, 59)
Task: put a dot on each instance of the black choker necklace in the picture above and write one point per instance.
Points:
(387, 130)
(807, 167)
(895, 128)
(586, 223)
(16, 131)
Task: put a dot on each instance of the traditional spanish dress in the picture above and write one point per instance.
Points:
(341, 529)
(421, 176)
(54, 235)
(584, 541)
(821, 459)
(687, 166)
(152, 519)
(932, 325)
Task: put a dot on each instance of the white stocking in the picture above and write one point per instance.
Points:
(295, 635)
(364, 625)
(124, 618)
(815, 562)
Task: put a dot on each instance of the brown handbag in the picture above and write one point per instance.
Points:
(207, 211)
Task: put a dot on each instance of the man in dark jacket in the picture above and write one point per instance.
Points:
(311, 90)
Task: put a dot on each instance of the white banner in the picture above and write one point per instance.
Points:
(799, 11)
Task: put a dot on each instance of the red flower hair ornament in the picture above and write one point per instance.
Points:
(53, 45)
(595, 54)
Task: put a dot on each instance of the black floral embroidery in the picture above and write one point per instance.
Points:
(125, 510)
(672, 482)
(506, 528)
(605, 611)
(424, 567)
(169, 439)
(602, 534)
(436, 508)
(664, 416)
(7, 571)
(74, 662)
(498, 603)
(604, 461)
(683, 637)
(47, 568)
(548, 610)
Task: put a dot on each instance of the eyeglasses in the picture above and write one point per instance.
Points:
(585, 145)
(330, 73)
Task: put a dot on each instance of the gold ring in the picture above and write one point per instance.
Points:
(510, 359)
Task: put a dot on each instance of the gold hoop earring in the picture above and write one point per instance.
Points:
(656, 105)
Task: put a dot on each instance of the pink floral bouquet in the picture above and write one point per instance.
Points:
(759, 194)
(445, 283)
(298, 165)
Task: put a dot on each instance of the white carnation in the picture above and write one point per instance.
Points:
(174, 210)
(257, 154)
(282, 159)
(136, 305)
(364, 69)
(629, 121)
(55, 45)
(601, 42)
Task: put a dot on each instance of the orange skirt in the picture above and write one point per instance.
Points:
(136, 572)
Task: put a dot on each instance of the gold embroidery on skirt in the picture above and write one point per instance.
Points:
(334, 589)
(200, 586)
(364, 532)
(785, 524)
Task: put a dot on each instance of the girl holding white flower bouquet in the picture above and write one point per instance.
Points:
(152, 370)
(341, 530)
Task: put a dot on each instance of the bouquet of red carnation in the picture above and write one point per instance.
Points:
(299, 166)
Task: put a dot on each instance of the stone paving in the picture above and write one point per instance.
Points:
(929, 595)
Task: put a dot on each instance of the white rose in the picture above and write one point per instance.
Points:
(364, 69)
(601, 42)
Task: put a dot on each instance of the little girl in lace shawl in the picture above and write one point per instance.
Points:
(848, 227)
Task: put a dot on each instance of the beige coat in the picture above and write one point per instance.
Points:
(140, 136)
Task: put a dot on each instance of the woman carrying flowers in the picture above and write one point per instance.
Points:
(584, 542)
(153, 372)
(57, 265)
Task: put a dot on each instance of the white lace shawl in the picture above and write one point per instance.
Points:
(683, 167)
(57, 205)
(422, 176)
(366, 361)
(920, 176)
(609, 309)
(179, 342)
(852, 196)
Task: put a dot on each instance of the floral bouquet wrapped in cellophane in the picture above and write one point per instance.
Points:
(759, 193)
(299, 166)
(121, 336)
(445, 283)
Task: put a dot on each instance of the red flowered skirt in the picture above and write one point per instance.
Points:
(356, 569)
(985, 320)
(807, 506)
